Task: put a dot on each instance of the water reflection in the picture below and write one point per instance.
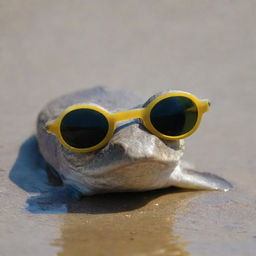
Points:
(145, 229)
(112, 224)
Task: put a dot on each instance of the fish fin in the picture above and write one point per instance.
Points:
(184, 177)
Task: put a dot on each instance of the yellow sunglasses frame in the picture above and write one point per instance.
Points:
(53, 127)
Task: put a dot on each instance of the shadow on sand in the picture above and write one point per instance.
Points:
(49, 195)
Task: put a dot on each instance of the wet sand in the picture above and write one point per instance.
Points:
(49, 48)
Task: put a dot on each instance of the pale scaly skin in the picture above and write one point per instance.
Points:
(133, 160)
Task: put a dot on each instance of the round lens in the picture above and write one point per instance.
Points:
(84, 128)
(174, 116)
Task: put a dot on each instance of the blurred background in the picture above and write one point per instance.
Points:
(49, 48)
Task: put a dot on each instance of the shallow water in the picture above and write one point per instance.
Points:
(117, 224)
(163, 222)
(143, 231)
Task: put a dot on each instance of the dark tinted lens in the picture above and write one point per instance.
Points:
(174, 116)
(84, 128)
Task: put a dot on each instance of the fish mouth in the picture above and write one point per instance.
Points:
(135, 166)
(141, 175)
(143, 169)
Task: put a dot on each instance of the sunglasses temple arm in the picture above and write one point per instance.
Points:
(50, 127)
(205, 105)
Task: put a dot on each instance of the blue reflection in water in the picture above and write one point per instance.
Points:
(29, 173)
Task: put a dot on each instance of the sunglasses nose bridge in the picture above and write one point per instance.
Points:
(128, 115)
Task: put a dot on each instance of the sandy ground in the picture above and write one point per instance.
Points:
(48, 48)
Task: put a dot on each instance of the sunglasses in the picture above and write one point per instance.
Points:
(171, 116)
